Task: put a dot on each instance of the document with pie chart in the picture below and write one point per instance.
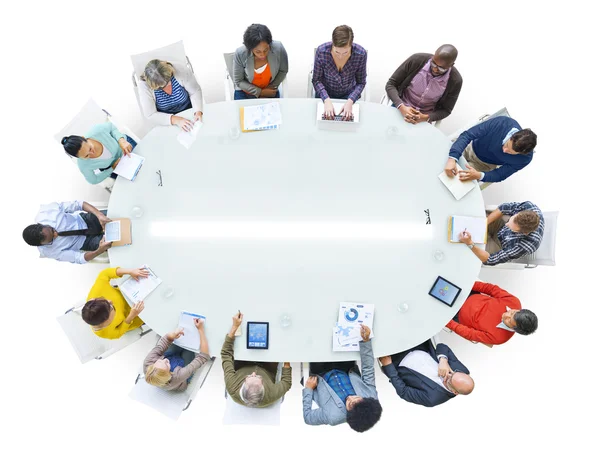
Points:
(346, 333)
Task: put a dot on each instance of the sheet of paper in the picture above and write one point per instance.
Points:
(190, 338)
(355, 313)
(129, 165)
(457, 187)
(187, 138)
(138, 290)
(262, 117)
(112, 231)
(340, 339)
(477, 226)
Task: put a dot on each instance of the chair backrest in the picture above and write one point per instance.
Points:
(174, 52)
(240, 414)
(89, 115)
(86, 344)
(228, 56)
(169, 403)
(545, 255)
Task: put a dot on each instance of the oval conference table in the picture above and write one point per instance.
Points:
(286, 224)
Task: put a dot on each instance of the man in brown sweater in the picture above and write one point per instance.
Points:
(425, 87)
(250, 383)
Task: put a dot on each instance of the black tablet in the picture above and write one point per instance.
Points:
(445, 291)
(257, 335)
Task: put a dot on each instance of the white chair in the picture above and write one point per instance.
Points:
(240, 414)
(174, 52)
(169, 403)
(103, 257)
(92, 114)
(545, 255)
(86, 344)
(310, 88)
(229, 85)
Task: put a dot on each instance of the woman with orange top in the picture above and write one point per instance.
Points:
(259, 66)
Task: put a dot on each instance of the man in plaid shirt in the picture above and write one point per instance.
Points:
(514, 230)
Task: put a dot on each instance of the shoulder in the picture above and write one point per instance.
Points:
(98, 128)
(242, 51)
(455, 76)
(358, 49)
(324, 48)
(277, 46)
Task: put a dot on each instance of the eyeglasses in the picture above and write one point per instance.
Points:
(439, 68)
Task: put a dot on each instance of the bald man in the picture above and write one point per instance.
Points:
(427, 376)
(425, 87)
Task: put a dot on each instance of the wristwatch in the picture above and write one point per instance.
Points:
(471, 245)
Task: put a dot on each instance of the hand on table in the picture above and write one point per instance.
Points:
(125, 146)
(199, 324)
(183, 123)
(328, 109)
(451, 168)
(175, 334)
(469, 174)
(365, 332)
(465, 237)
(198, 116)
(104, 246)
(346, 112)
(139, 273)
(385, 360)
(103, 219)
(237, 320)
(410, 114)
(136, 309)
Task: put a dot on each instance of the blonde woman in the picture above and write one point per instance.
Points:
(171, 367)
(166, 89)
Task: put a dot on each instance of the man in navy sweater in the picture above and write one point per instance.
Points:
(494, 150)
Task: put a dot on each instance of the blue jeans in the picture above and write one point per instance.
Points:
(179, 357)
(241, 95)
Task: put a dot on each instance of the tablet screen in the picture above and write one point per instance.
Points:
(258, 335)
(444, 291)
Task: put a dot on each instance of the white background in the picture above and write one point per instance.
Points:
(534, 394)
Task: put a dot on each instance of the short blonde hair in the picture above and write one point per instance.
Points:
(157, 377)
(157, 73)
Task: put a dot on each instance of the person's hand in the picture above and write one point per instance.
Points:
(103, 219)
(287, 364)
(198, 116)
(469, 174)
(443, 368)
(421, 118)
(237, 320)
(182, 123)
(104, 246)
(199, 324)
(385, 360)
(365, 332)
(175, 334)
(139, 273)
(268, 92)
(451, 168)
(347, 110)
(328, 109)
(312, 382)
(136, 309)
(465, 237)
(114, 165)
(409, 114)
(125, 146)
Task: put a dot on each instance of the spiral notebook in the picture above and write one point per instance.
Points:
(476, 226)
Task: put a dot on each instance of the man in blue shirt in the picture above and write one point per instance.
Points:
(68, 231)
(494, 150)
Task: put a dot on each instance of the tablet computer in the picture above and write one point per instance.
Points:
(444, 291)
(257, 335)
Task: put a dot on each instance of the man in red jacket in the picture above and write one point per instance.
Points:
(491, 315)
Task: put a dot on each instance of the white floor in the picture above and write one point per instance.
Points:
(534, 394)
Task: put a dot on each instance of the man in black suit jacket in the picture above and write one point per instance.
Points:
(427, 375)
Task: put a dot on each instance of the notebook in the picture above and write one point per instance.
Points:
(138, 290)
(187, 138)
(129, 166)
(457, 187)
(118, 232)
(260, 117)
(476, 226)
(190, 339)
(338, 124)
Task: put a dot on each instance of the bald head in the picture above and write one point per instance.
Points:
(446, 54)
(462, 383)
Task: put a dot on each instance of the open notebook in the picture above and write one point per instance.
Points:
(476, 226)
(457, 187)
(129, 166)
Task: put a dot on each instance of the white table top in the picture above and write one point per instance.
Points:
(311, 203)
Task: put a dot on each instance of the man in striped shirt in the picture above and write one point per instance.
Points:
(514, 230)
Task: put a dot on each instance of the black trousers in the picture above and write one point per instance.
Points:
(92, 241)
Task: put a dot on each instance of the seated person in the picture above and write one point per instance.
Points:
(259, 66)
(340, 71)
(491, 315)
(167, 89)
(65, 233)
(98, 154)
(427, 376)
(250, 383)
(343, 394)
(171, 367)
(425, 87)
(509, 238)
(106, 310)
(494, 150)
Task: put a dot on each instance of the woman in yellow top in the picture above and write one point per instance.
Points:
(106, 309)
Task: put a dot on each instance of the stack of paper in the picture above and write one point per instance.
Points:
(137, 290)
(260, 117)
(346, 334)
(457, 187)
(129, 166)
(190, 340)
(187, 138)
